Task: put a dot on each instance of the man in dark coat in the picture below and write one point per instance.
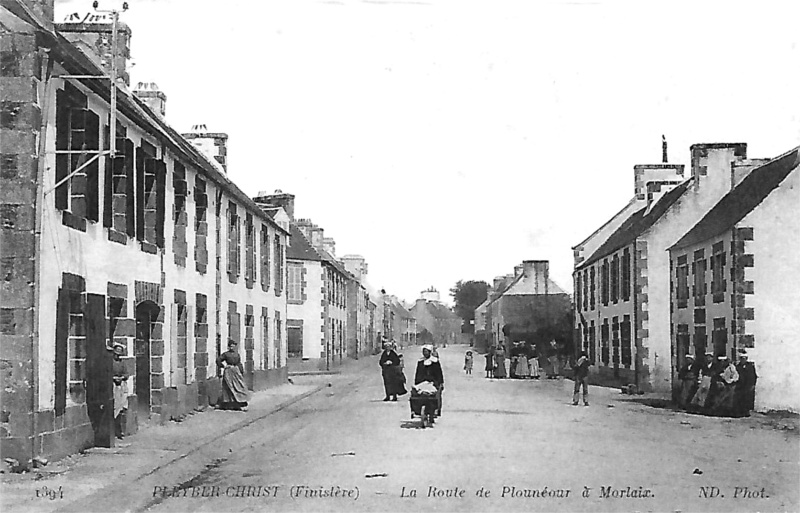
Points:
(746, 386)
(581, 379)
(393, 379)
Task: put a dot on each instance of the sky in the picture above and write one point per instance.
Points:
(449, 140)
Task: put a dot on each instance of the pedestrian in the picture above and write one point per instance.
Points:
(724, 386)
(429, 369)
(687, 376)
(522, 369)
(120, 375)
(468, 362)
(234, 393)
(533, 361)
(489, 368)
(701, 397)
(746, 386)
(553, 358)
(393, 377)
(581, 379)
(500, 361)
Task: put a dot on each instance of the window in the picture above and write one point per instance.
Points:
(718, 263)
(615, 279)
(585, 290)
(250, 251)
(719, 336)
(264, 251)
(278, 266)
(626, 275)
(592, 343)
(682, 344)
(200, 225)
(233, 243)
(604, 284)
(295, 282)
(182, 356)
(591, 288)
(604, 341)
(625, 336)
(699, 288)
(201, 337)
(150, 188)
(179, 217)
(265, 347)
(578, 289)
(682, 279)
(77, 130)
(615, 340)
(76, 350)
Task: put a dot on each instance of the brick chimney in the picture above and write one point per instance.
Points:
(668, 175)
(517, 271)
(713, 164)
(329, 245)
(539, 271)
(355, 265)
(278, 199)
(92, 35)
(150, 94)
(214, 145)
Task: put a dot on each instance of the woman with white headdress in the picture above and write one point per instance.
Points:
(429, 370)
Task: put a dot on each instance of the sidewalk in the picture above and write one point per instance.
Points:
(61, 484)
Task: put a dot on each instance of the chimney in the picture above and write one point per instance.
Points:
(278, 199)
(329, 245)
(517, 271)
(714, 161)
(92, 35)
(666, 174)
(150, 94)
(355, 265)
(316, 236)
(214, 145)
(497, 283)
(539, 271)
(664, 149)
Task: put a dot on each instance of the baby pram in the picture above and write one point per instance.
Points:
(425, 403)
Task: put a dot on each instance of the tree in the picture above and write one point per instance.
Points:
(468, 296)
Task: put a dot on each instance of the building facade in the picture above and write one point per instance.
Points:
(623, 316)
(734, 281)
(152, 248)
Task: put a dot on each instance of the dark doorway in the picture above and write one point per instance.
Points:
(99, 392)
(146, 314)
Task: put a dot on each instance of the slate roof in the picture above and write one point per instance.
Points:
(746, 196)
(525, 287)
(300, 248)
(75, 61)
(636, 224)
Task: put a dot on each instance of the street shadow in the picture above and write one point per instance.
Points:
(653, 402)
(411, 424)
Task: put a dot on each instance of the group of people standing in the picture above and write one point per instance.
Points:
(523, 361)
(718, 386)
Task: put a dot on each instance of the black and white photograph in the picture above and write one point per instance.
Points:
(399, 256)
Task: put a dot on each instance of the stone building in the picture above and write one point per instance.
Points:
(734, 279)
(622, 316)
(152, 247)
(316, 294)
(436, 323)
(360, 309)
(529, 307)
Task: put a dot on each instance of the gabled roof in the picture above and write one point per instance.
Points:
(510, 282)
(300, 248)
(619, 213)
(526, 287)
(637, 224)
(746, 196)
(75, 61)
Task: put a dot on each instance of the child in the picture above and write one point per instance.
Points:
(468, 362)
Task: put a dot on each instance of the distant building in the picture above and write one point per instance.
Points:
(734, 281)
(436, 323)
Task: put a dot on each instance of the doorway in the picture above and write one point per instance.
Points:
(146, 313)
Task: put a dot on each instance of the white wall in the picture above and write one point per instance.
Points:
(776, 298)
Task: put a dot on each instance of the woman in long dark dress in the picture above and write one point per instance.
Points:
(234, 392)
(393, 378)
(430, 370)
